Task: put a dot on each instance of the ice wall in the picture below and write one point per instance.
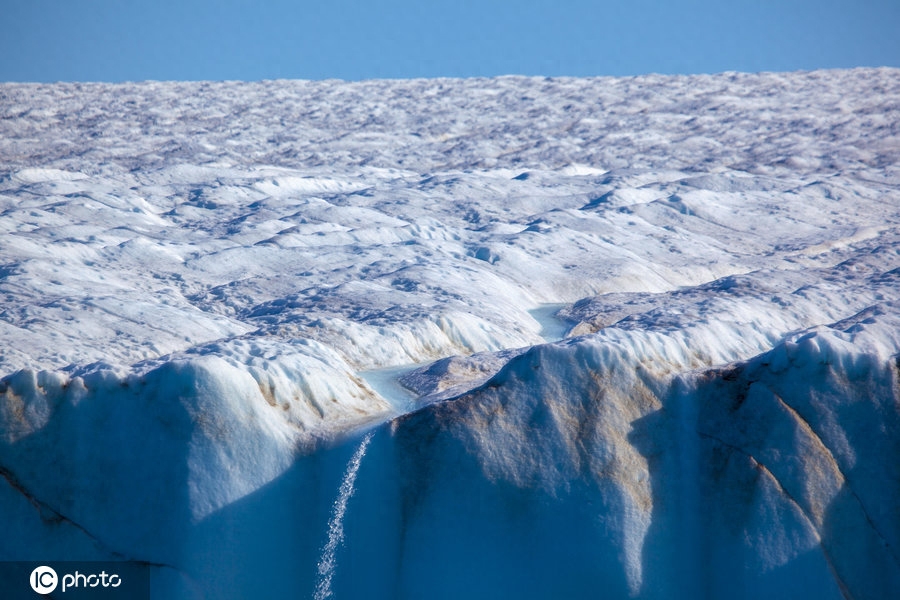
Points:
(576, 472)
(579, 467)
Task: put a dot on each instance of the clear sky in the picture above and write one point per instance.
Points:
(131, 40)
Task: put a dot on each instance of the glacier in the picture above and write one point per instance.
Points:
(509, 337)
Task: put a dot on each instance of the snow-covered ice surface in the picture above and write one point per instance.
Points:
(196, 280)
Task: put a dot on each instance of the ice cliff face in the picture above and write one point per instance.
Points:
(774, 476)
(195, 277)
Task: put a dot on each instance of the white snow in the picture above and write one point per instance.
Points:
(206, 287)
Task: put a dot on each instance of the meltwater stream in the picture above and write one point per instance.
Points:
(328, 559)
(387, 383)
(553, 328)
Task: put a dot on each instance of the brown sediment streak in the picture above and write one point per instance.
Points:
(768, 473)
(812, 433)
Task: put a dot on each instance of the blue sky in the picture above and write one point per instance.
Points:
(129, 40)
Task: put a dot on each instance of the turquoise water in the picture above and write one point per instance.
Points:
(386, 383)
(553, 327)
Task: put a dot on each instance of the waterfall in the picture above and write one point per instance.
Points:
(327, 561)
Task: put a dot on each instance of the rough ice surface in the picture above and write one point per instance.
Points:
(196, 280)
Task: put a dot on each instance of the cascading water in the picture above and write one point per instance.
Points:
(327, 560)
